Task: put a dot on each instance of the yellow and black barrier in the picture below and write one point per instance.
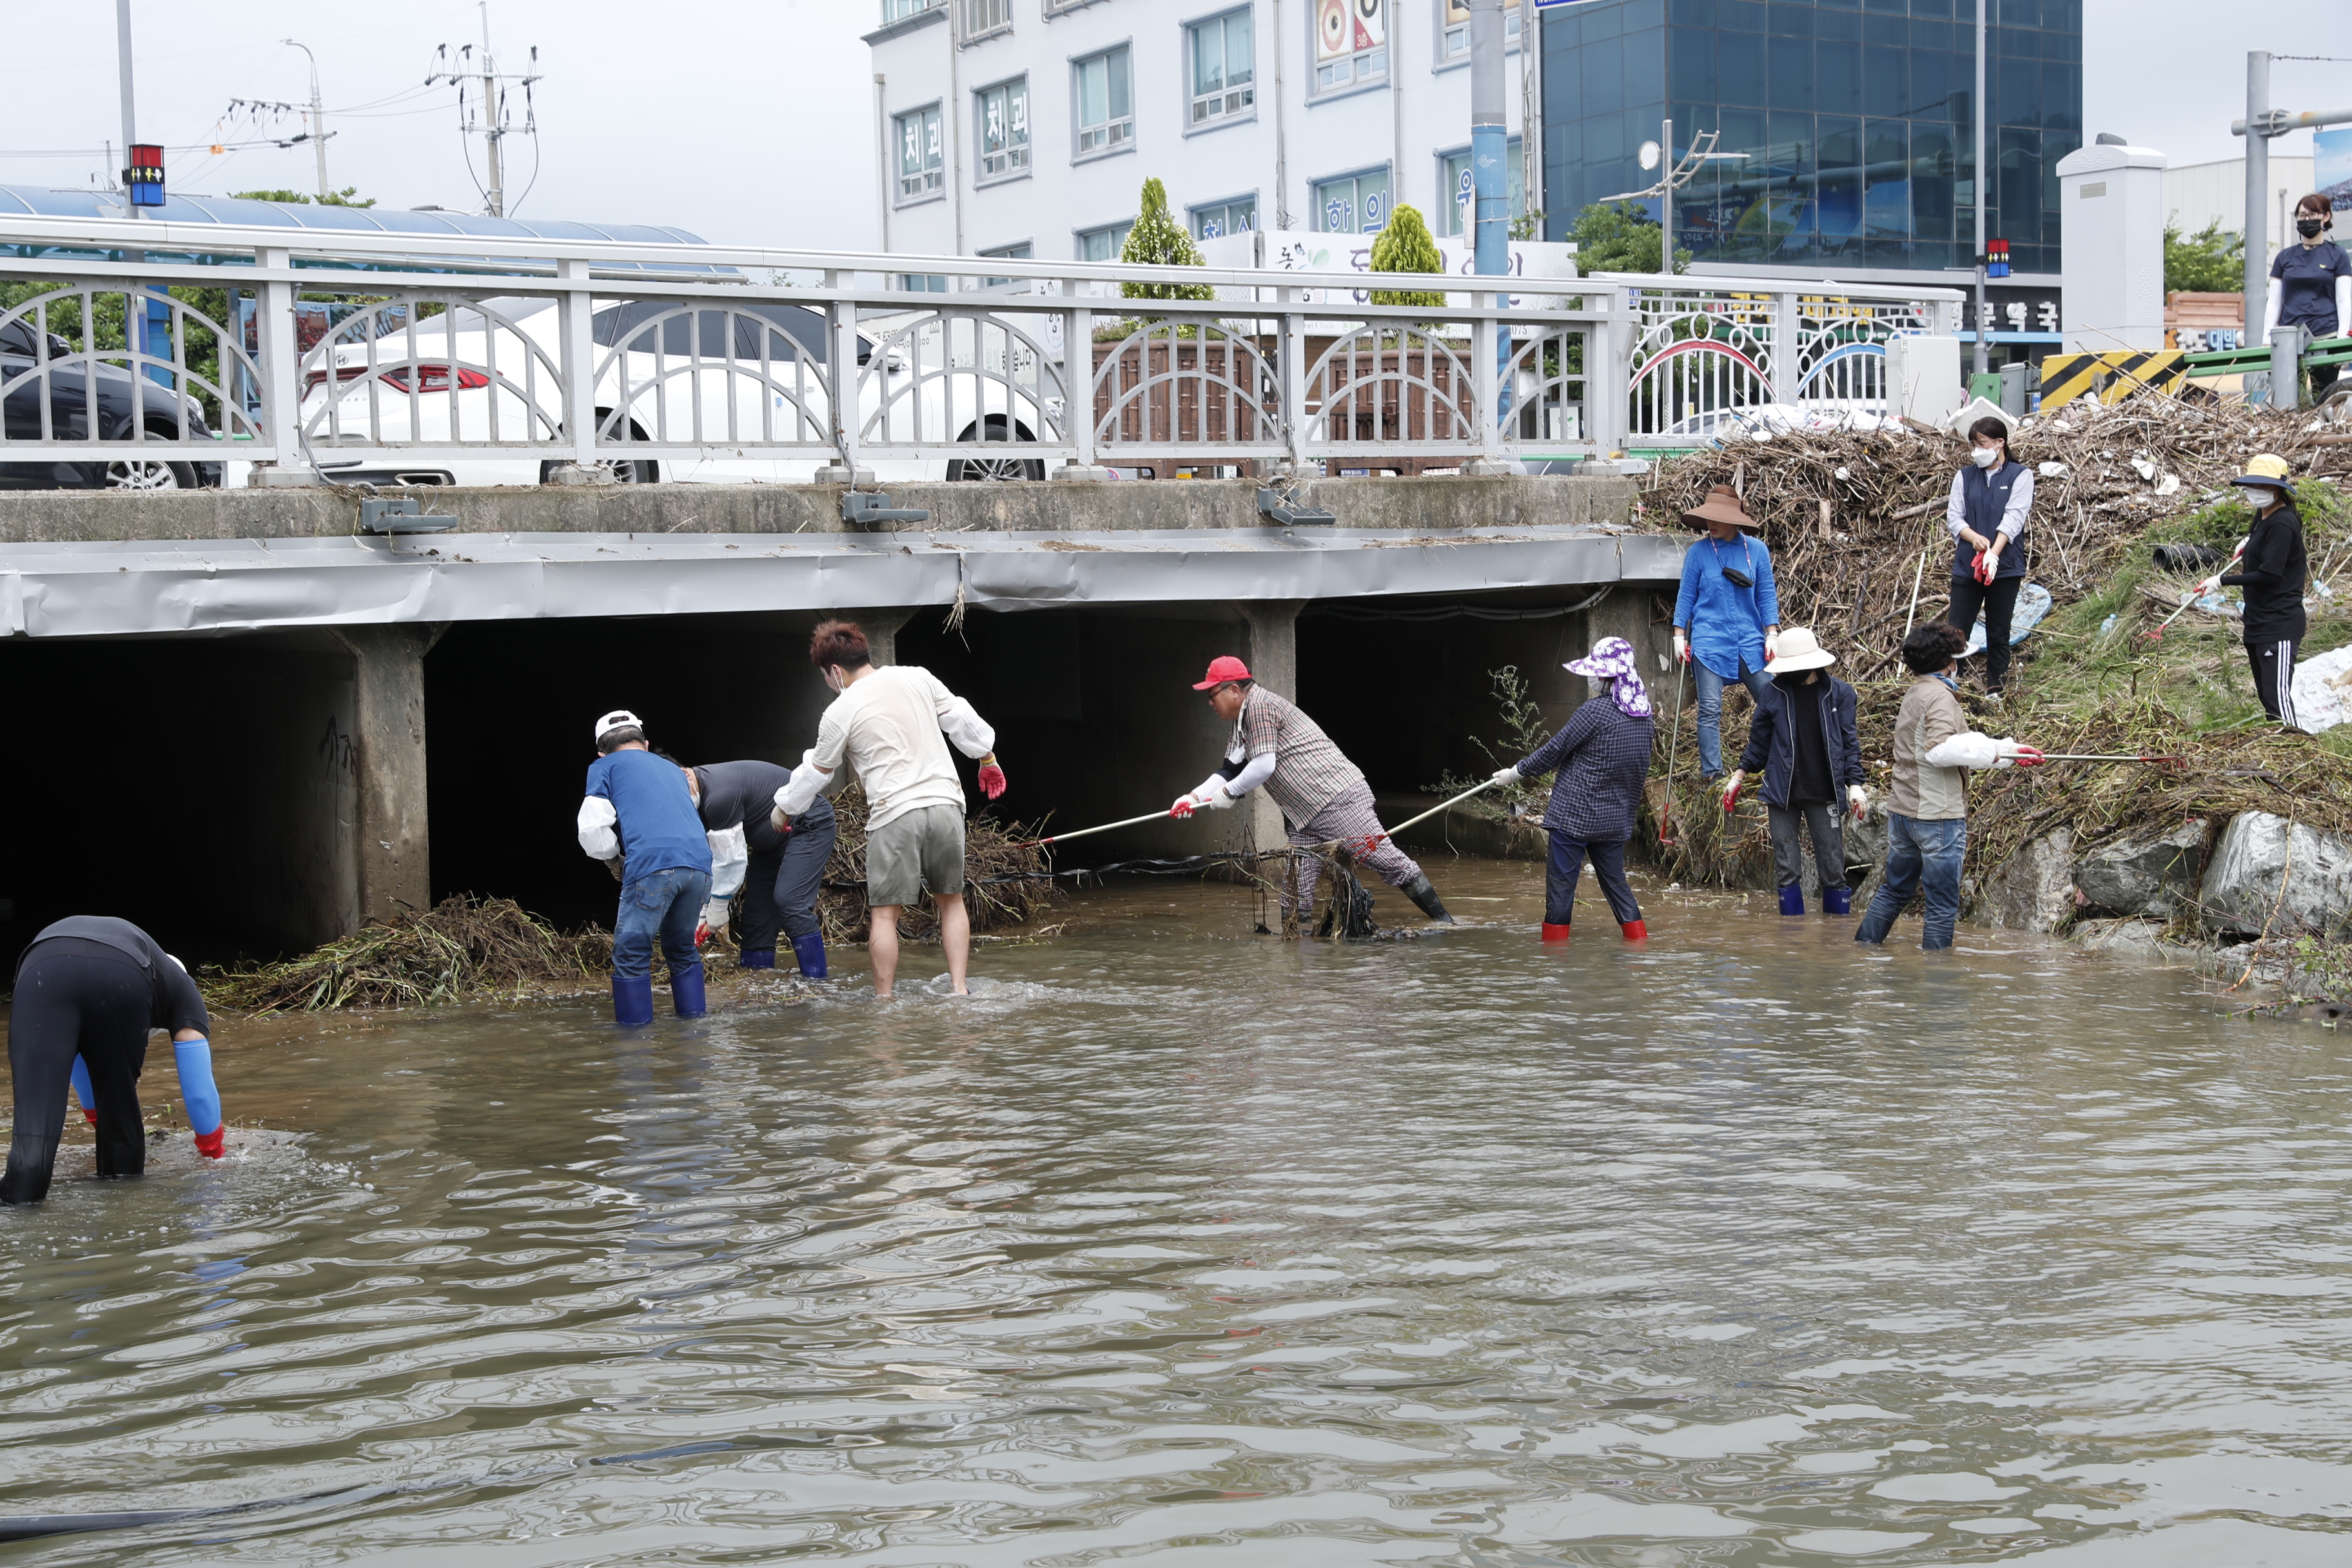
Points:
(2111, 377)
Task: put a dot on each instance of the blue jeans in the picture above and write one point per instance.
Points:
(666, 905)
(1566, 864)
(1710, 710)
(1918, 854)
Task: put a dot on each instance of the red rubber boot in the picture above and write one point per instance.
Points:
(1636, 930)
(1555, 933)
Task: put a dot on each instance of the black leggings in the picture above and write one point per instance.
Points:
(70, 1003)
(1998, 603)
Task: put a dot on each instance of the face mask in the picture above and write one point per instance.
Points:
(1984, 457)
(2309, 227)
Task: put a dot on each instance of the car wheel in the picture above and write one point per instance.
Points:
(996, 469)
(150, 474)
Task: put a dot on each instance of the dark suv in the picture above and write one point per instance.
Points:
(122, 398)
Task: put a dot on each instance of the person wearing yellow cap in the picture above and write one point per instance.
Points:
(2270, 570)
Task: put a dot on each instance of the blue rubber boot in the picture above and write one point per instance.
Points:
(1837, 900)
(1792, 900)
(685, 991)
(756, 958)
(632, 1000)
(810, 950)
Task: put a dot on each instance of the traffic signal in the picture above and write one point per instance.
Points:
(1996, 258)
(145, 176)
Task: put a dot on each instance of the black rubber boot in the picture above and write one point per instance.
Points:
(1424, 897)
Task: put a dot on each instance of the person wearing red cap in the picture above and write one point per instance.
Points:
(1322, 794)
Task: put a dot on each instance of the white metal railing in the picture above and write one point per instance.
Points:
(307, 346)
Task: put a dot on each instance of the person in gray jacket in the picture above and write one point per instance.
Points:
(1803, 738)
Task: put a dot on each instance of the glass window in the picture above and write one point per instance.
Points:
(900, 10)
(919, 153)
(1456, 181)
(924, 282)
(1837, 68)
(1224, 68)
(1104, 244)
(1351, 44)
(1883, 88)
(1020, 252)
(1454, 29)
(1003, 114)
(1352, 203)
(981, 17)
(1238, 216)
(1690, 64)
(1105, 103)
(1739, 69)
(1791, 63)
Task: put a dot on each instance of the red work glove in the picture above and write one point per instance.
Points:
(991, 779)
(701, 934)
(1180, 811)
(2027, 757)
(1731, 790)
(1984, 568)
(211, 1144)
(90, 1116)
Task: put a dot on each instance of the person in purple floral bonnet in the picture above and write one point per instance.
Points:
(1599, 759)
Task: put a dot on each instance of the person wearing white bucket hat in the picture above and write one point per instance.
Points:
(1803, 737)
(638, 818)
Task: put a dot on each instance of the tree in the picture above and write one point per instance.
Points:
(1404, 246)
(1159, 240)
(2206, 262)
(342, 199)
(1620, 238)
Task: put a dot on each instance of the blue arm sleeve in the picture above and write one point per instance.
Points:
(1686, 600)
(1767, 593)
(88, 1096)
(198, 1091)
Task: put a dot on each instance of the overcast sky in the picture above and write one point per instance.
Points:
(751, 121)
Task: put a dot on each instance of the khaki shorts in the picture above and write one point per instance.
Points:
(903, 854)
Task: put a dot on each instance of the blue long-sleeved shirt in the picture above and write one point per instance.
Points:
(658, 828)
(1725, 621)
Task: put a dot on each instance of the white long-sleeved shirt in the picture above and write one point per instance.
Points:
(893, 728)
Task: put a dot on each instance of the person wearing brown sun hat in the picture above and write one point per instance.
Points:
(1727, 614)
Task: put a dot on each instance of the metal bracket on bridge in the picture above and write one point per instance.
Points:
(402, 514)
(873, 506)
(1288, 513)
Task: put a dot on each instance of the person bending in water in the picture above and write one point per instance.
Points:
(637, 817)
(89, 990)
(1599, 757)
(780, 870)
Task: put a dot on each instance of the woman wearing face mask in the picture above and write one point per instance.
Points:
(1987, 516)
(2313, 280)
(2270, 570)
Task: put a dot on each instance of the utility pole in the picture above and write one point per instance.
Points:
(495, 128)
(130, 117)
(317, 120)
(1977, 113)
(1490, 140)
(2258, 196)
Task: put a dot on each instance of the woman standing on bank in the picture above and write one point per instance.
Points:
(1726, 616)
(2314, 283)
(1987, 516)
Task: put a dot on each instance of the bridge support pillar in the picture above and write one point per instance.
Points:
(1273, 660)
(881, 626)
(393, 846)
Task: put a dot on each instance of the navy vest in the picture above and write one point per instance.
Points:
(1984, 496)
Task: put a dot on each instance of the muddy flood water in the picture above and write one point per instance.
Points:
(1178, 1247)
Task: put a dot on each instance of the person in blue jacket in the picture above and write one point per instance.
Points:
(1728, 615)
(638, 818)
(1804, 739)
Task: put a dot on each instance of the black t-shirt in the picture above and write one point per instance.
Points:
(2306, 276)
(175, 1003)
(1808, 779)
(744, 794)
(2271, 572)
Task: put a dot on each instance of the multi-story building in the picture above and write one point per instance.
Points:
(1026, 128)
(1851, 125)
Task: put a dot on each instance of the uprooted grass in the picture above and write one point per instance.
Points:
(460, 949)
(1006, 881)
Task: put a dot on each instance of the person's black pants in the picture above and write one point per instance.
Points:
(1998, 603)
(2273, 664)
(1568, 857)
(68, 1005)
(781, 887)
(1818, 818)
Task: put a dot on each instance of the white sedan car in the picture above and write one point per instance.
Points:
(743, 383)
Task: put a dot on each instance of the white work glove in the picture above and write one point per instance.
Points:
(1857, 800)
(1771, 647)
(714, 914)
(2016, 754)
(2211, 586)
(1681, 647)
(1509, 775)
(1731, 788)
(1212, 796)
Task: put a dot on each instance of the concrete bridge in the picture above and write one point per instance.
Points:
(250, 725)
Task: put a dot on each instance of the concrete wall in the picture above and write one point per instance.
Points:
(1406, 504)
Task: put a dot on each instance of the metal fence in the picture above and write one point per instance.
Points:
(163, 344)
